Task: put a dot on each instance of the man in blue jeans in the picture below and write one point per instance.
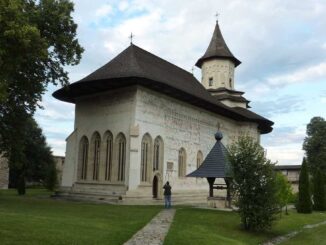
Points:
(167, 194)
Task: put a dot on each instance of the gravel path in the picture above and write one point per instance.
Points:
(155, 231)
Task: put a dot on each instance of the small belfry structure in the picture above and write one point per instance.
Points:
(218, 65)
(216, 166)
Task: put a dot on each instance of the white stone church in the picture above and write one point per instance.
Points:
(141, 121)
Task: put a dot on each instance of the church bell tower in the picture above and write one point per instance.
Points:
(218, 65)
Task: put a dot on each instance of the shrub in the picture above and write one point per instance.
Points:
(254, 184)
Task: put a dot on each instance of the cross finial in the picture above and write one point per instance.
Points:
(131, 36)
(216, 15)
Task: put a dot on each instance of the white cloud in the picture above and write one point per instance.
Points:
(323, 100)
(285, 155)
(123, 5)
(305, 74)
(103, 11)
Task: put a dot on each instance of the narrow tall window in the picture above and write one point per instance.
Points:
(158, 154)
(108, 155)
(83, 157)
(230, 83)
(210, 81)
(145, 158)
(182, 163)
(121, 156)
(96, 155)
(199, 158)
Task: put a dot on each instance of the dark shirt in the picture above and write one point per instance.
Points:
(167, 190)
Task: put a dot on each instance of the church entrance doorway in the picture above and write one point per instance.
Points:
(155, 187)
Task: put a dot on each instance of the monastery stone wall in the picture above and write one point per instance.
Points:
(136, 111)
(112, 111)
(183, 125)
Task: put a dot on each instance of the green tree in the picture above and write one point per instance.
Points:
(254, 183)
(315, 145)
(39, 165)
(283, 191)
(319, 191)
(37, 40)
(304, 201)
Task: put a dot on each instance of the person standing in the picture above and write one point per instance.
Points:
(167, 194)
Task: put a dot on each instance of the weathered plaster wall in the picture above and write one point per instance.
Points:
(136, 111)
(112, 111)
(221, 71)
(182, 125)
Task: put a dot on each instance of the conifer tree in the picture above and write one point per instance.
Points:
(319, 191)
(304, 203)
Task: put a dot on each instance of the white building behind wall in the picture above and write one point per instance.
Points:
(141, 121)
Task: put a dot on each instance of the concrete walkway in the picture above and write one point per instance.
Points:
(155, 231)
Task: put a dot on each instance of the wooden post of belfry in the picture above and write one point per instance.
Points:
(211, 181)
(228, 191)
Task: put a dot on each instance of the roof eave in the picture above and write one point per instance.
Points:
(200, 62)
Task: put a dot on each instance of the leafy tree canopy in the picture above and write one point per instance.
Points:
(315, 144)
(283, 190)
(39, 165)
(254, 183)
(37, 41)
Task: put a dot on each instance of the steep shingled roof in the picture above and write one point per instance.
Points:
(217, 48)
(135, 66)
(216, 164)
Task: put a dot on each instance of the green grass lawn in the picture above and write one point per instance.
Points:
(309, 236)
(198, 226)
(37, 219)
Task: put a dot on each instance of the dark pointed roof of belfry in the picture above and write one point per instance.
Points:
(216, 164)
(217, 48)
(135, 66)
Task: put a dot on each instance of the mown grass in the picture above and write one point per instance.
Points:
(37, 219)
(309, 236)
(197, 226)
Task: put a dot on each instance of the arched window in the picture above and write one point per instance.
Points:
(199, 158)
(182, 162)
(146, 149)
(83, 158)
(158, 154)
(108, 147)
(121, 156)
(95, 150)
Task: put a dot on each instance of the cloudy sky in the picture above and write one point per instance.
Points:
(282, 46)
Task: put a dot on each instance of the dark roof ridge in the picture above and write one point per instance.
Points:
(153, 72)
(153, 55)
